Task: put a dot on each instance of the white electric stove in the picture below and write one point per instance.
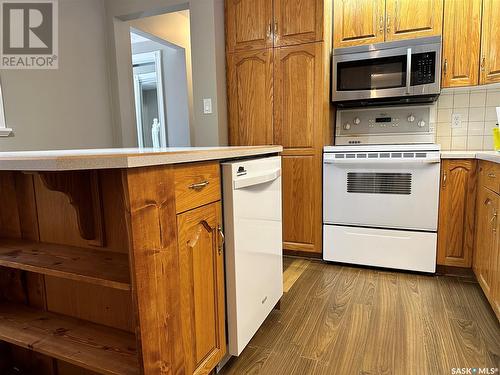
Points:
(380, 201)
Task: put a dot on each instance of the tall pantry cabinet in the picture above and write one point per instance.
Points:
(278, 74)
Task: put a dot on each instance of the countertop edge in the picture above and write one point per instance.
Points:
(124, 161)
(492, 156)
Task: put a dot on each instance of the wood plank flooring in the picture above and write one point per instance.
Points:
(346, 320)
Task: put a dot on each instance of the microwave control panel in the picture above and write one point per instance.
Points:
(423, 68)
(385, 120)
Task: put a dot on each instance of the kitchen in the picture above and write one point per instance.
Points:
(321, 197)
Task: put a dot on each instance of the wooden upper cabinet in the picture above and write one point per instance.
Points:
(490, 45)
(297, 21)
(456, 212)
(297, 95)
(461, 43)
(407, 19)
(250, 86)
(358, 22)
(249, 24)
(302, 221)
(202, 288)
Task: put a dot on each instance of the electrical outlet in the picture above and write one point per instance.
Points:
(207, 106)
(456, 120)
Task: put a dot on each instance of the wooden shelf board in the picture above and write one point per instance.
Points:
(94, 347)
(81, 264)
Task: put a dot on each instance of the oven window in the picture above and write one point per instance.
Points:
(381, 73)
(379, 183)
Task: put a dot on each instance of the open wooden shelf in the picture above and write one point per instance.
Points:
(81, 264)
(95, 347)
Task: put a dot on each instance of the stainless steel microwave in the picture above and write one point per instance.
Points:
(402, 71)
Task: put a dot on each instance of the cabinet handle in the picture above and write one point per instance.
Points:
(199, 185)
(492, 175)
(483, 61)
(388, 24)
(493, 221)
(445, 177)
(381, 28)
(222, 239)
(445, 68)
(275, 29)
(269, 30)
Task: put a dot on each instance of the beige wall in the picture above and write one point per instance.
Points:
(68, 107)
(88, 102)
(207, 57)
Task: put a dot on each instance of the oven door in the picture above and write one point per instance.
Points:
(387, 73)
(382, 193)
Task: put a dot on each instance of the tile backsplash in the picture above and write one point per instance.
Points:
(466, 117)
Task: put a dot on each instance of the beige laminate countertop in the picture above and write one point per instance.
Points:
(493, 156)
(64, 160)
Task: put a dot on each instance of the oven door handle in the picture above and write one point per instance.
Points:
(408, 71)
(382, 161)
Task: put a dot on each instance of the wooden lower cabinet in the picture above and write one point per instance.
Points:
(456, 212)
(486, 259)
(302, 214)
(486, 256)
(202, 287)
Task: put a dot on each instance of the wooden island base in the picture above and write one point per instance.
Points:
(112, 271)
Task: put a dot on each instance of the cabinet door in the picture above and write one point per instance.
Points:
(461, 43)
(358, 22)
(486, 253)
(248, 24)
(407, 19)
(202, 288)
(297, 21)
(298, 89)
(490, 46)
(250, 84)
(302, 220)
(456, 212)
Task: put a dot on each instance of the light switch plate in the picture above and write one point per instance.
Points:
(456, 120)
(207, 106)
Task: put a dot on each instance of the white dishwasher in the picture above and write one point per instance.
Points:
(253, 227)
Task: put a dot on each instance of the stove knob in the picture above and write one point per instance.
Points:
(357, 121)
(347, 126)
(411, 118)
(421, 124)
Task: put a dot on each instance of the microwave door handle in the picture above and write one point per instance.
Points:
(408, 71)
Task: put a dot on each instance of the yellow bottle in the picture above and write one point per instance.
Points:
(496, 138)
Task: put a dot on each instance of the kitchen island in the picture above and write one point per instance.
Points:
(111, 260)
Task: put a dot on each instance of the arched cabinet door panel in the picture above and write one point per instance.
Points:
(250, 86)
(456, 212)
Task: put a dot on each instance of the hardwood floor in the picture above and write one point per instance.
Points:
(345, 320)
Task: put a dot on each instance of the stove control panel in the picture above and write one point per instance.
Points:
(401, 120)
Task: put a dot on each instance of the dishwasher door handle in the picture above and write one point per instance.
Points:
(257, 179)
